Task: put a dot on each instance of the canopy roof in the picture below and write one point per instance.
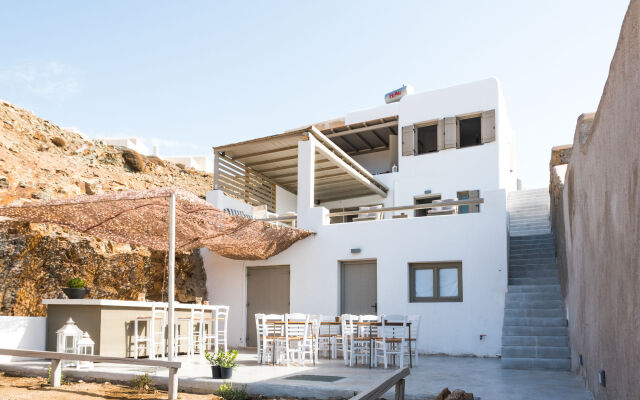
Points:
(142, 217)
(337, 175)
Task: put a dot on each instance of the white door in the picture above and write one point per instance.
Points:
(359, 287)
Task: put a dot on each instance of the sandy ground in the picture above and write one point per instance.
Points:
(18, 388)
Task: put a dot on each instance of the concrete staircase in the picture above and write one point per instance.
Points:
(534, 335)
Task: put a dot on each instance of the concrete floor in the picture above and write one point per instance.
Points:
(481, 376)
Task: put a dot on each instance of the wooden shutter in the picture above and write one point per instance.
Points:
(440, 134)
(408, 140)
(474, 194)
(488, 126)
(450, 132)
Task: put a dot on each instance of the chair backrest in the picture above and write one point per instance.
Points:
(398, 330)
(222, 316)
(259, 318)
(415, 326)
(375, 215)
(298, 329)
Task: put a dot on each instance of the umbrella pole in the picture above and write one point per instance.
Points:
(172, 258)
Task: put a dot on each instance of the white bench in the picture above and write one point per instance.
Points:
(56, 365)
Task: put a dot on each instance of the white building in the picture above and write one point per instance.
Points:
(132, 143)
(448, 265)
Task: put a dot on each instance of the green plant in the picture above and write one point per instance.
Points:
(228, 392)
(224, 359)
(76, 283)
(143, 383)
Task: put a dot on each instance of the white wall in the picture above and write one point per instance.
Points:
(478, 240)
(26, 333)
(285, 201)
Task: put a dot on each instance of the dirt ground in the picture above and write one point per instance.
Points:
(18, 388)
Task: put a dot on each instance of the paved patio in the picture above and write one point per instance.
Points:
(481, 376)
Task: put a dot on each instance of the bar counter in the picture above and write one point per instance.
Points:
(109, 322)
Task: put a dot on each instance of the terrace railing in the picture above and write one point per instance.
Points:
(239, 181)
(445, 203)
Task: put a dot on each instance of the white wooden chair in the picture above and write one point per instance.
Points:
(347, 331)
(180, 337)
(392, 339)
(365, 335)
(154, 336)
(371, 216)
(215, 329)
(414, 327)
(298, 339)
(325, 336)
(259, 334)
(272, 337)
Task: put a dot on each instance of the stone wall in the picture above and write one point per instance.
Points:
(596, 221)
(36, 261)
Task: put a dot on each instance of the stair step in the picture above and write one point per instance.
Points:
(533, 273)
(534, 281)
(548, 237)
(532, 296)
(535, 321)
(534, 304)
(535, 352)
(533, 312)
(534, 288)
(534, 331)
(536, 363)
(516, 233)
(551, 341)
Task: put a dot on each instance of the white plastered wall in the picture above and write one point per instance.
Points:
(25, 333)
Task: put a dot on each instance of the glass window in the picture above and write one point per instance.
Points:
(427, 139)
(448, 282)
(435, 281)
(470, 132)
(424, 282)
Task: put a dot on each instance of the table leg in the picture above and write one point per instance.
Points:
(370, 348)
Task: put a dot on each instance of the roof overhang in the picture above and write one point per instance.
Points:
(337, 175)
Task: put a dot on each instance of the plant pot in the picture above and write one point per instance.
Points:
(226, 372)
(75, 293)
(215, 372)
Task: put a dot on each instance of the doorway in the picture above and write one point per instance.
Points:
(267, 293)
(358, 287)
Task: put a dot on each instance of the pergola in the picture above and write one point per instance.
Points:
(164, 219)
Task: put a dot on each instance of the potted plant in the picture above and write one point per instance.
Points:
(222, 363)
(76, 288)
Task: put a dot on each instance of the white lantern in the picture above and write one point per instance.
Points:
(85, 347)
(68, 337)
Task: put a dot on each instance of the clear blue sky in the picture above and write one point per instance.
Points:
(192, 74)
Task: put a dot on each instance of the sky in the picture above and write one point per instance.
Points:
(190, 75)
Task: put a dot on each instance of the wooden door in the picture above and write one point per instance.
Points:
(359, 287)
(267, 293)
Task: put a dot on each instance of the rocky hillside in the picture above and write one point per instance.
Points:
(39, 160)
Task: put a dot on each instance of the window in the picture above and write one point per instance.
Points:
(470, 132)
(424, 199)
(427, 139)
(435, 281)
(466, 195)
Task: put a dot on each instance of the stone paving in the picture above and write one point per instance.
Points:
(482, 376)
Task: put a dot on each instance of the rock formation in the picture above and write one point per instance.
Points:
(39, 160)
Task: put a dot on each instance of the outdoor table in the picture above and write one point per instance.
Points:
(331, 323)
(371, 324)
(109, 322)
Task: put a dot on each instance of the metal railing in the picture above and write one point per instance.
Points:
(387, 209)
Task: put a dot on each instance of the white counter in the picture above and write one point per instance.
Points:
(123, 303)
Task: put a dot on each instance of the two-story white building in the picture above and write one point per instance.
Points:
(446, 263)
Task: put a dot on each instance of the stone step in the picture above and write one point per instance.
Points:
(535, 321)
(534, 281)
(534, 289)
(536, 363)
(533, 273)
(529, 224)
(534, 304)
(532, 267)
(541, 341)
(535, 352)
(531, 247)
(547, 237)
(541, 251)
(534, 331)
(534, 312)
(539, 259)
(516, 232)
(532, 296)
